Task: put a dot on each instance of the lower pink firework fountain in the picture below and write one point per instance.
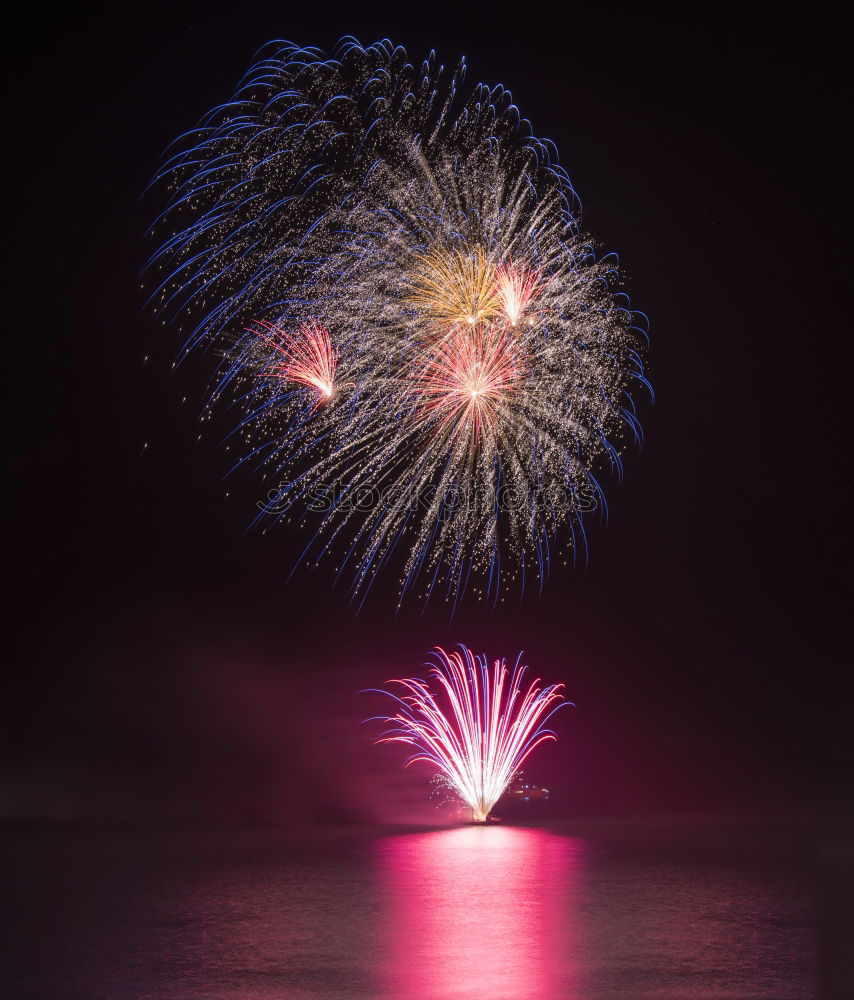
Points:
(479, 727)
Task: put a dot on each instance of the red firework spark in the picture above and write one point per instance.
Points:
(308, 357)
(467, 379)
(479, 729)
(516, 285)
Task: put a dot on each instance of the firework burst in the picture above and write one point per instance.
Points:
(467, 381)
(366, 213)
(305, 357)
(516, 288)
(477, 725)
(455, 286)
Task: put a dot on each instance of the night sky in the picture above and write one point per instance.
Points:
(163, 666)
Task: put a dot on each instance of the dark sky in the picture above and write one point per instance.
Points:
(162, 665)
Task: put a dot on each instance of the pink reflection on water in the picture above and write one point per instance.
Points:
(481, 911)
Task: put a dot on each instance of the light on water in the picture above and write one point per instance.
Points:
(482, 912)
(493, 912)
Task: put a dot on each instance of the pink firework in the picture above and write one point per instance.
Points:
(467, 380)
(480, 727)
(516, 286)
(308, 357)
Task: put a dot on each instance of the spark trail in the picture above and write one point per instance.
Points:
(475, 725)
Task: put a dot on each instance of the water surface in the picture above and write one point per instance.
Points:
(505, 913)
